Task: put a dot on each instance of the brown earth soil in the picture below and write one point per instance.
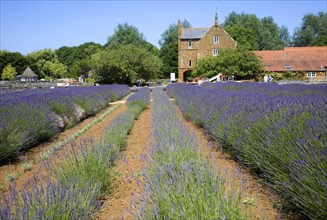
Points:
(130, 165)
(33, 155)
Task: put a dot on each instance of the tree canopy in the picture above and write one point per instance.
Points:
(15, 59)
(243, 64)
(8, 73)
(169, 48)
(46, 64)
(265, 34)
(312, 32)
(125, 65)
(77, 59)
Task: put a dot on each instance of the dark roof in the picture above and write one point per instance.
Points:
(193, 33)
(294, 59)
(28, 73)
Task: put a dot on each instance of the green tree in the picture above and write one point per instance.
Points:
(312, 32)
(268, 34)
(125, 64)
(284, 36)
(8, 72)
(244, 36)
(169, 49)
(125, 34)
(45, 63)
(243, 64)
(17, 60)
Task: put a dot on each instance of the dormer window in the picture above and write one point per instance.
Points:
(189, 44)
(216, 39)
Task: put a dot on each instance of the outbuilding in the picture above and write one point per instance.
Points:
(27, 76)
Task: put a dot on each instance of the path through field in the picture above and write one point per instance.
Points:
(119, 204)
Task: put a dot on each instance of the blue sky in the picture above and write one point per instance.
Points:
(27, 26)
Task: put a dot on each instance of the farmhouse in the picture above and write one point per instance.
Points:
(197, 43)
(27, 76)
(306, 62)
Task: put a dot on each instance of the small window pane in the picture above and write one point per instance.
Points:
(216, 39)
(215, 52)
(190, 62)
(189, 43)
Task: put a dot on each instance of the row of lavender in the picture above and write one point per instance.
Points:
(279, 131)
(78, 179)
(179, 183)
(31, 116)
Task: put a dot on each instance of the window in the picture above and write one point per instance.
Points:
(214, 52)
(311, 74)
(189, 44)
(216, 39)
(190, 63)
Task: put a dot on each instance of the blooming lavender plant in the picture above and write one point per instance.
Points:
(81, 177)
(180, 183)
(279, 131)
(31, 116)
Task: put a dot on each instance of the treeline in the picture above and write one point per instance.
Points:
(127, 56)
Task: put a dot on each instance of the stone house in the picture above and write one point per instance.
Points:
(310, 62)
(197, 43)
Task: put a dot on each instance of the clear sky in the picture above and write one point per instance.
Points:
(27, 26)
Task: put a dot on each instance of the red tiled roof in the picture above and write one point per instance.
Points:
(295, 59)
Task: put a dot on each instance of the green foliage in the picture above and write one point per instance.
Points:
(169, 49)
(9, 72)
(127, 34)
(244, 36)
(45, 63)
(17, 60)
(78, 59)
(312, 32)
(267, 33)
(243, 64)
(125, 64)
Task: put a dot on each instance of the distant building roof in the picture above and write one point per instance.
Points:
(28, 73)
(295, 59)
(193, 33)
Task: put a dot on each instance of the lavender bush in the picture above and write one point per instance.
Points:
(180, 183)
(82, 176)
(279, 131)
(30, 116)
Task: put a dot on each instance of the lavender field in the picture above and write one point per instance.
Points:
(279, 131)
(31, 116)
(70, 184)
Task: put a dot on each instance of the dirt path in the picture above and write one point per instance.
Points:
(128, 167)
(33, 155)
(237, 176)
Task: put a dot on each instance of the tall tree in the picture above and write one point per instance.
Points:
(268, 34)
(125, 34)
(312, 32)
(125, 64)
(284, 36)
(169, 48)
(45, 63)
(244, 36)
(8, 72)
(73, 57)
(17, 60)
